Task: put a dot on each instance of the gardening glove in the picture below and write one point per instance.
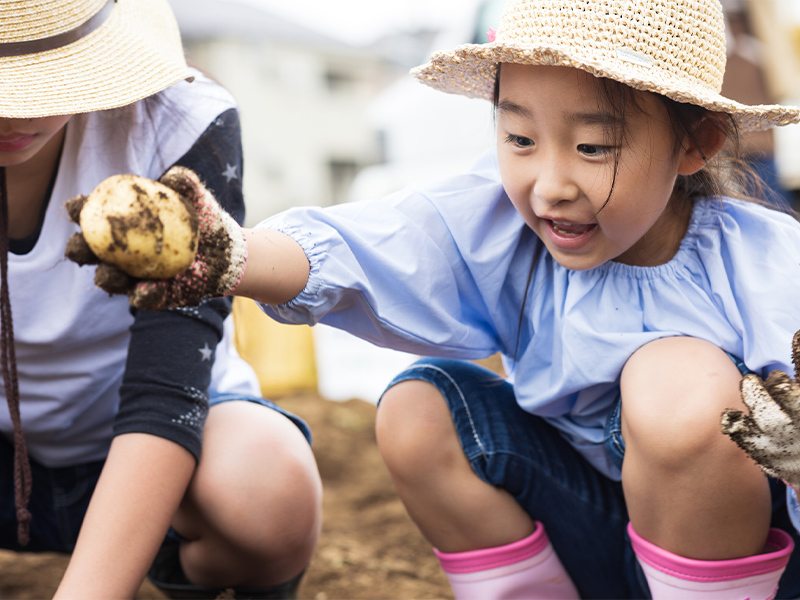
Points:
(770, 434)
(217, 267)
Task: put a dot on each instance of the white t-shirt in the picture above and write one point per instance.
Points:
(72, 337)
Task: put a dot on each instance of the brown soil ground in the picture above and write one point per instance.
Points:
(369, 547)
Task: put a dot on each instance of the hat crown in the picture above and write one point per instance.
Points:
(39, 19)
(684, 39)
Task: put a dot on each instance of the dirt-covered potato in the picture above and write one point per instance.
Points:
(141, 226)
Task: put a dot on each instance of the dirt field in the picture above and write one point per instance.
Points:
(369, 548)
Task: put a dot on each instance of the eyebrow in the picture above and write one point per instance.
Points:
(506, 106)
(595, 118)
(598, 118)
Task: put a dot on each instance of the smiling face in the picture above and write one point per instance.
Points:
(558, 146)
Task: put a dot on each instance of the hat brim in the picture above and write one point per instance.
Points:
(470, 70)
(137, 52)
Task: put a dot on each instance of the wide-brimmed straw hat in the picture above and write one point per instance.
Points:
(60, 57)
(670, 47)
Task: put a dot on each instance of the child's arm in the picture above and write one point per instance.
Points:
(277, 268)
(770, 434)
(392, 271)
(140, 488)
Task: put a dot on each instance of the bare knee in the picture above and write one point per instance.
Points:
(414, 428)
(256, 495)
(688, 487)
(673, 393)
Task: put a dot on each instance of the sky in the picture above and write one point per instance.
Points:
(362, 21)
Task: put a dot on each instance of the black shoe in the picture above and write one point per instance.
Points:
(167, 575)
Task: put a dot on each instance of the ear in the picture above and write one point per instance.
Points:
(708, 139)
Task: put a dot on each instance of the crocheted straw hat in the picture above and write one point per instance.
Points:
(671, 47)
(60, 57)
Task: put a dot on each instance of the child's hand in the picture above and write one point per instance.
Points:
(217, 267)
(770, 434)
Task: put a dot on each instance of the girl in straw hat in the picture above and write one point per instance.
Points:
(110, 437)
(606, 250)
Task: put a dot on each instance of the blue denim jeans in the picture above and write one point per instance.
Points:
(583, 511)
(61, 495)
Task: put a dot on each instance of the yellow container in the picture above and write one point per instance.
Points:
(281, 355)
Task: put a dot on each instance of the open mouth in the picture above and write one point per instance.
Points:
(569, 236)
(570, 229)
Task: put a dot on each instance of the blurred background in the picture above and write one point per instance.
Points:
(330, 115)
(328, 111)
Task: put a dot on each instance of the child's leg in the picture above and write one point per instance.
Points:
(421, 449)
(528, 568)
(488, 546)
(252, 511)
(689, 490)
(472, 467)
(675, 577)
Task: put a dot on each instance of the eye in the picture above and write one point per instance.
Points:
(594, 150)
(519, 141)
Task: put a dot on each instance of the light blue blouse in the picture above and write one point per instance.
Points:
(441, 270)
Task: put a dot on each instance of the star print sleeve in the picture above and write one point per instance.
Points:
(165, 386)
(217, 158)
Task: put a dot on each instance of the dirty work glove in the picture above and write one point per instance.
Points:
(770, 434)
(217, 267)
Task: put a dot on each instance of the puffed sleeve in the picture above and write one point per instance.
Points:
(418, 271)
(759, 255)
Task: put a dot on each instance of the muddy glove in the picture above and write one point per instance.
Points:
(217, 267)
(770, 434)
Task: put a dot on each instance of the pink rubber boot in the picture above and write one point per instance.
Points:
(674, 577)
(525, 570)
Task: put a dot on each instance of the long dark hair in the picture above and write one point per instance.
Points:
(726, 174)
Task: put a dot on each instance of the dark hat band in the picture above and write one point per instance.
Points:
(60, 40)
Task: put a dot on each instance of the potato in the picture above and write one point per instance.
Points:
(140, 226)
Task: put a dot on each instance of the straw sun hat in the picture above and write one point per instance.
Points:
(60, 57)
(671, 47)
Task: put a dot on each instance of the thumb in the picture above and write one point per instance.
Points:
(186, 184)
(74, 206)
(111, 279)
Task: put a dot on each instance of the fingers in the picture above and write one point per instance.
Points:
(796, 355)
(74, 206)
(763, 409)
(746, 433)
(179, 175)
(78, 251)
(737, 424)
(185, 182)
(112, 280)
(785, 392)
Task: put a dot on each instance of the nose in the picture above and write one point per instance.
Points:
(554, 182)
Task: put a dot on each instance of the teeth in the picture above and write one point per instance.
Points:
(568, 228)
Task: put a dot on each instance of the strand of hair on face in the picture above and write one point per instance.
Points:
(22, 465)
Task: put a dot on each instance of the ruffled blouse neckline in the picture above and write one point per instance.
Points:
(706, 213)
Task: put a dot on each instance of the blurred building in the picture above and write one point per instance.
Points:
(429, 134)
(303, 100)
